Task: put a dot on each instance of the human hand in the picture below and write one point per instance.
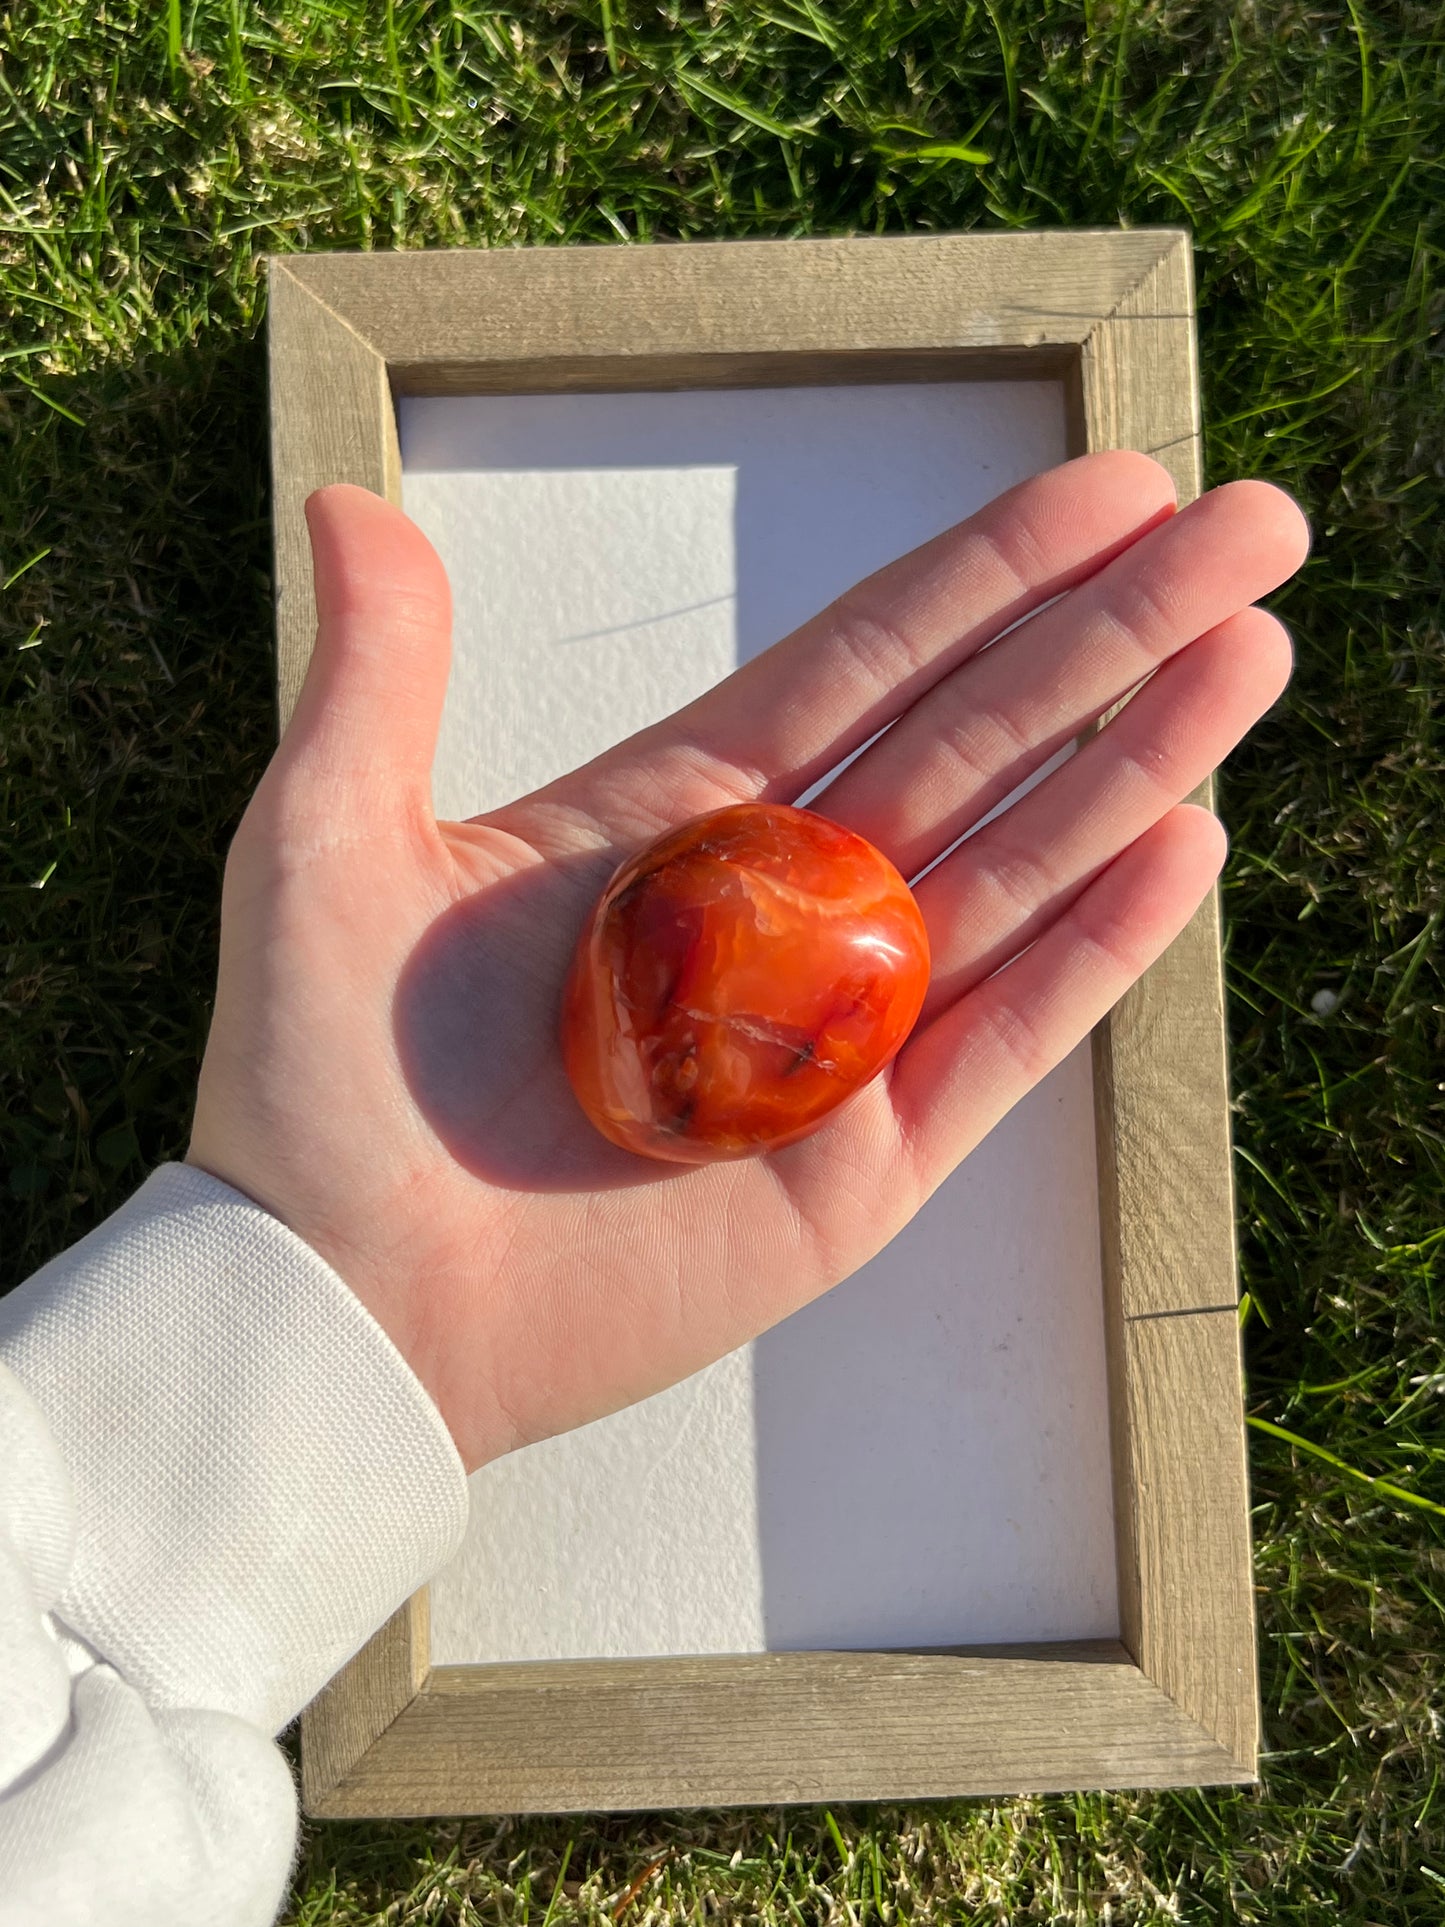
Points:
(383, 1072)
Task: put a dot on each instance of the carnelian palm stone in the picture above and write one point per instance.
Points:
(737, 981)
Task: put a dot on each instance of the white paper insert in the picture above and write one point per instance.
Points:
(921, 1458)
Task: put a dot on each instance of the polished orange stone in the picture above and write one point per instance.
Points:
(738, 980)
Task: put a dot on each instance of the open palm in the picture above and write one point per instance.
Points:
(383, 1070)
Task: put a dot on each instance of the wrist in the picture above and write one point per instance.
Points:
(382, 1285)
(260, 1480)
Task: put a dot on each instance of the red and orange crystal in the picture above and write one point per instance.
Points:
(739, 979)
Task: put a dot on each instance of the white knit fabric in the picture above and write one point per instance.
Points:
(217, 1478)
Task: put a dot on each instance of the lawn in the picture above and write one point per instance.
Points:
(150, 155)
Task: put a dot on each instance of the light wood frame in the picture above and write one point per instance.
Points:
(1174, 1700)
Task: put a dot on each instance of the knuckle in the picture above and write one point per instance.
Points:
(1151, 766)
(1147, 610)
(1023, 880)
(987, 743)
(1105, 937)
(1017, 553)
(878, 647)
(1018, 1037)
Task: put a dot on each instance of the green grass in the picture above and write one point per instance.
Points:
(148, 155)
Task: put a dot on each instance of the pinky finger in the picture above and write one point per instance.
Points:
(957, 1077)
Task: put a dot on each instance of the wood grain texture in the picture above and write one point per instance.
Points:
(332, 420)
(1161, 1080)
(440, 318)
(1162, 1088)
(1163, 1075)
(661, 373)
(341, 1726)
(1185, 1482)
(1139, 368)
(785, 1727)
(1181, 1517)
(1175, 1704)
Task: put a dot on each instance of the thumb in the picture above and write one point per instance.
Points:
(364, 729)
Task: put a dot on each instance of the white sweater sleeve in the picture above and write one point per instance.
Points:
(218, 1477)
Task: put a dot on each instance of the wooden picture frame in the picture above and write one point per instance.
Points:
(1173, 1701)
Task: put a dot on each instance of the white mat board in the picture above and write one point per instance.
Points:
(921, 1458)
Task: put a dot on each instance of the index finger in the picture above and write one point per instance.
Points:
(790, 715)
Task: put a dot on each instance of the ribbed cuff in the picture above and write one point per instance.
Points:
(261, 1479)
